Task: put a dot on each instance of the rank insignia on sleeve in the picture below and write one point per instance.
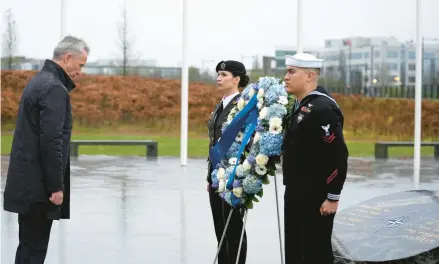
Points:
(329, 137)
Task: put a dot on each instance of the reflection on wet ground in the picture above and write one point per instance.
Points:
(131, 210)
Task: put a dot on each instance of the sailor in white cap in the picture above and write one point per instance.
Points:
(317, 156)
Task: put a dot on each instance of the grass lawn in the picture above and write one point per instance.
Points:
(169, 145)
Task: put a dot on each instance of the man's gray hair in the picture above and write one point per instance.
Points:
(70, 44)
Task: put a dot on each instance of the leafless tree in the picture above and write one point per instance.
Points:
(9, 39)
(126, 43)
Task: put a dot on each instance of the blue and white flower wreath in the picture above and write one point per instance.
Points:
(258, 120)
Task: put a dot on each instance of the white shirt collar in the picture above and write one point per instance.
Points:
(229, 98)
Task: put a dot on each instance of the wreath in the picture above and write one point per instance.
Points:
(250, 158)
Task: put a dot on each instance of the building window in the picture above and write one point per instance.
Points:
(377, 54)
(392, 66)
(412, 79)
(429, 55)
(412, 67)
(412, 55)
(356, 56)
(366, 55)
(392, 54)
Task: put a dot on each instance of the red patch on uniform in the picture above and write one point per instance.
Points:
(332, 176)
(329, 138)
(305, 109)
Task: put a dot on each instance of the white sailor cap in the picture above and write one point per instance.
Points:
(303, 60)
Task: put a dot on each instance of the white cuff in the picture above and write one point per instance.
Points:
(334, 197)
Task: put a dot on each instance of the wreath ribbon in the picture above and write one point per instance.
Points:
(248, 116)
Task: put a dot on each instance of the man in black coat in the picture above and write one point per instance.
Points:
(314, 164)
(38, 180)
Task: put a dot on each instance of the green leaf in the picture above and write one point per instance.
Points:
(248, 204)
(266, 181)
(261, 193)
(255, 199)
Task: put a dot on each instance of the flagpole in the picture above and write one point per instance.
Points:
(62, 19)
(299, 45)
(184, 91)
(418, 99)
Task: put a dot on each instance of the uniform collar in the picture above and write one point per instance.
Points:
(229, 98)
(53, 67)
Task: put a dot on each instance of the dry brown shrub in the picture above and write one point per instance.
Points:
(112, 100)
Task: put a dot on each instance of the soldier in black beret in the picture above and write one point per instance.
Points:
(232, 75)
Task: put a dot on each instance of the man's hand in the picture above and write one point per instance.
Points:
(329, 207)
(57, 198)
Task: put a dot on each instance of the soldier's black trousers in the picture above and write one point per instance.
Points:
(229, 248)
(33, 234)
(307, 233)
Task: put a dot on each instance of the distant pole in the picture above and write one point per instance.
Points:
(62, 23)
(184, 91)
(299, 45)
(418, 98)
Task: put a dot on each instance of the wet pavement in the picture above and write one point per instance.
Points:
(132, 210)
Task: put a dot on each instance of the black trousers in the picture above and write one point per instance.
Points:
(33, 234)
(230, 246)
(307, 233)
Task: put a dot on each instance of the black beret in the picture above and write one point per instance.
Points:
(235, 67)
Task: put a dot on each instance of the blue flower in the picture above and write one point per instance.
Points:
(237, 183)
(260, 128)
(266, 82)
(252, 185)
(272, 94)
(277, 110)
(254, 151)
(215, 184)
(271, 144)
(246, 91)
(229, 171)
(226, 196)
(233, 151)
(255, 86)
(213, 175)
(251, 159)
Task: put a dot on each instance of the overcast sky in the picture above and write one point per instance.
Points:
(225, 29)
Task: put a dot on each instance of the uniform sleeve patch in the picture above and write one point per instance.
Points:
(328, 137)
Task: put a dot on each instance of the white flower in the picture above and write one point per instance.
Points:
(260, 95)
(251, 93)
(241, 104)
(238, 192)
(220, 174)
(239, 137)
(275, 125)
(261, 170)
(240, 171)
(257, 137)
(261, 160)
(233, 111)
(233, 161)
(222, 185)
(260, 104)
(246, 165)
(283, 100)
(229, 117)
(263, 113)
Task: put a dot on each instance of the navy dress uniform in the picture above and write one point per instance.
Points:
(220, 209)
(314, 170)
